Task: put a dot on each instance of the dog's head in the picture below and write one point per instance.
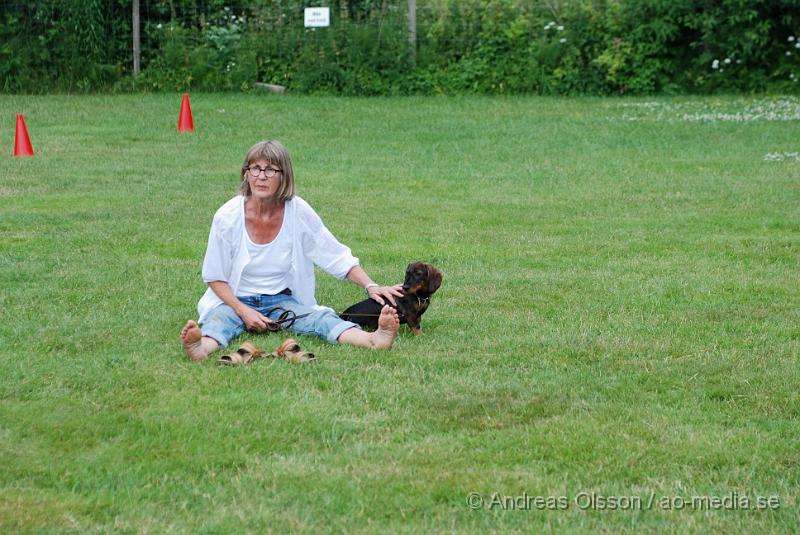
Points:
(422, 277)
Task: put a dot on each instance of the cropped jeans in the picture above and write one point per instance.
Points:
(223, 324)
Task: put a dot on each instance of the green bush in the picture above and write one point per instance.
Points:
(52, 45)
(599, 47)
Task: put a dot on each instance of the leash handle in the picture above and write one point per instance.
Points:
(287, 317)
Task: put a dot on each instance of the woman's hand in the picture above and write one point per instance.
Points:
(253, 320)
(381, 294)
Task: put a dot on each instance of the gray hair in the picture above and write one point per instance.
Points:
(276, 154)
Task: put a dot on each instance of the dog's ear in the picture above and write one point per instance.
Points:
(434, 279)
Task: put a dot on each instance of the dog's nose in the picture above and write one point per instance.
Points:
(406, 287)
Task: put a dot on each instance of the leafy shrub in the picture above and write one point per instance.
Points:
(464, 46)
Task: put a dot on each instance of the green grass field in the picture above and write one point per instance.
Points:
(620, 318)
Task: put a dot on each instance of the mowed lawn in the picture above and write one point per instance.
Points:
(616, 339)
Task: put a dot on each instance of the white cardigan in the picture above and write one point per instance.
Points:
(312, 243)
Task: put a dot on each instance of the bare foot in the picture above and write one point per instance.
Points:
(192, 340)
(388, 324)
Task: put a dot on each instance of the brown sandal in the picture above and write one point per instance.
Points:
(246, 354)
(290, 350)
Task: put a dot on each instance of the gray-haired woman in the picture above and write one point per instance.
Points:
(260, 259)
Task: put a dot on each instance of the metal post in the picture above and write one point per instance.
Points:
(137, 48)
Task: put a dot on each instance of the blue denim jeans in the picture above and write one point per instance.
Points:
(223, 325)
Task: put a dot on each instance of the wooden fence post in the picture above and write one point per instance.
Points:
(412, 29)
(137, 48)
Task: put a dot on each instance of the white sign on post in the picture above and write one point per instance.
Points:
(317, 17)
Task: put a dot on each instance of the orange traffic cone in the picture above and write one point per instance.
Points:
(22, 142)
(185, 121)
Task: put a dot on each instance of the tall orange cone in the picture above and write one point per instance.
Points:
(185, 121)
(22, 142)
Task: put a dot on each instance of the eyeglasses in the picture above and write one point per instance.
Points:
(268, 172)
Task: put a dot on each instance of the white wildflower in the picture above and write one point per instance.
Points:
(791, 38)
(562, 40)
(765, 109)
(727, 61)
(781, 156)
(788, 52)
(715, 64)
(560, 28)
(797, 45)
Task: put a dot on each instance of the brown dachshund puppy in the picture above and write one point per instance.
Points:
(422, 279)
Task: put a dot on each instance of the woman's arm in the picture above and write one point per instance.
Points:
(320, 245)
(375, 291)
(253, 319)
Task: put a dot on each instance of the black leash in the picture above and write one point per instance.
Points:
(285, 320)
(287, 317)
(420, 301)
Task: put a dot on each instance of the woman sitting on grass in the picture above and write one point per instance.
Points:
(261, 254)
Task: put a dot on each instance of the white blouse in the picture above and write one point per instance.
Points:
(311, 242)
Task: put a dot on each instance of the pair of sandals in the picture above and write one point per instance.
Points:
(248, 352)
